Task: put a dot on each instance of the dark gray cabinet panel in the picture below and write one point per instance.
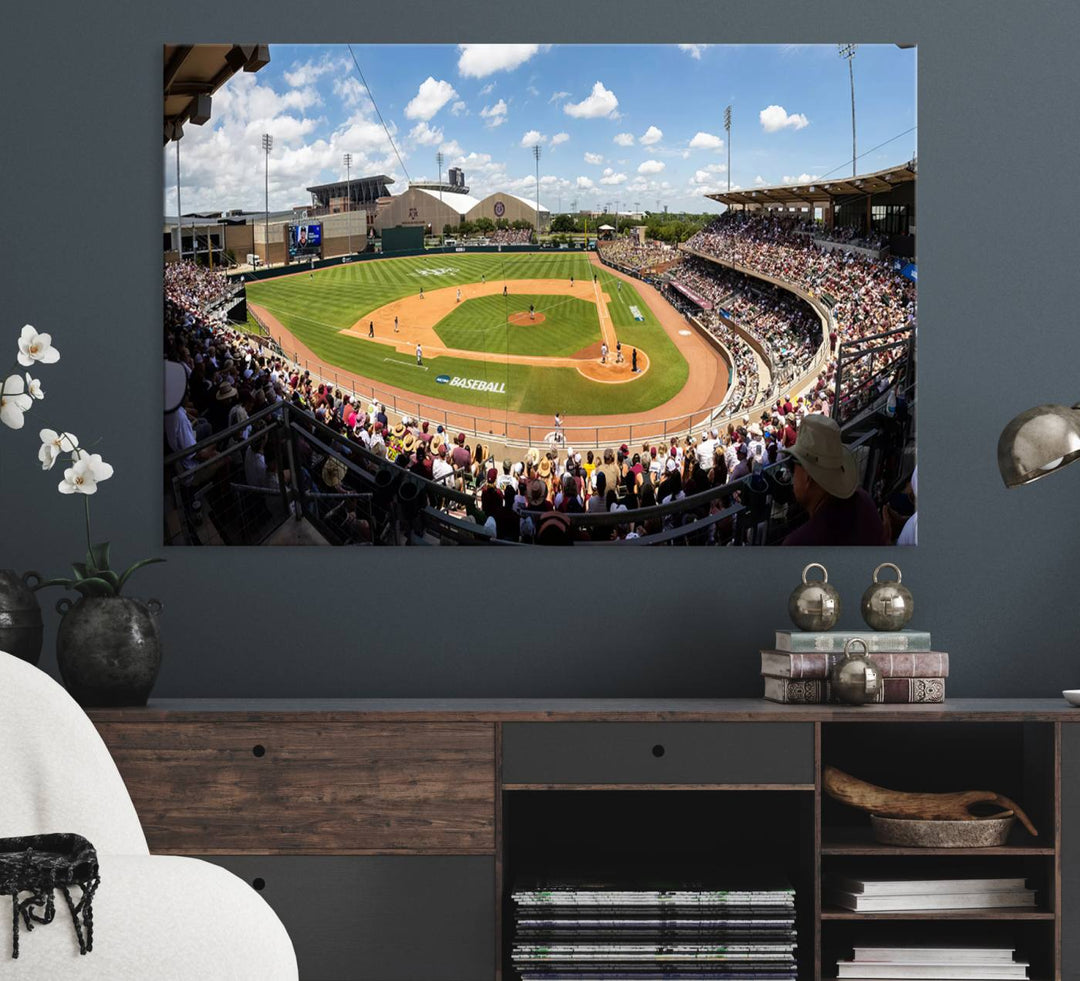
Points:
(1070, 851)
(658, 752)
(381, 918)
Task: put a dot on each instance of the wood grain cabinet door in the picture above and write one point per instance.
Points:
(232, 788)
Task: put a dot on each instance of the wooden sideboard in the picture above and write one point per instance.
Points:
(387, 833)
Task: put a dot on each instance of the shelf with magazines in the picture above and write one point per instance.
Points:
(703, 876)
(1021, 949)
(999, 901)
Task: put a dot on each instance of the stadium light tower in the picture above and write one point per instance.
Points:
(438, 162)
(348, 195)
(179, 213)
(727, 130)
(536, 155)
(267, 143)
(848, 51)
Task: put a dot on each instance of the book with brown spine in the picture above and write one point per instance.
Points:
(892, 664)
(894, 691)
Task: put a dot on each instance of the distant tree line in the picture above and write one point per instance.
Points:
(484, 225)
(670, 227)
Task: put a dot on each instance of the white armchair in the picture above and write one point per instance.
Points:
(156, 918)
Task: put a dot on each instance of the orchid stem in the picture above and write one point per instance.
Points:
(89, 547)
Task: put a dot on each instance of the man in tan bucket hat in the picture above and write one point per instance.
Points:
(825, 480)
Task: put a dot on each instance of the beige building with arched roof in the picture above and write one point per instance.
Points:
(512, 207)
(423, 206)
(433, 209)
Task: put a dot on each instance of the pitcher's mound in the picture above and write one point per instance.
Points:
(522, 319)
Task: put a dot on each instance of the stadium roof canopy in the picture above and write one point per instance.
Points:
(820, 192)
(531, 202)
(342, 187)
(459, 202)
(194, 72)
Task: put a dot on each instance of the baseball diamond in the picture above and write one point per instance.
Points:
(549, 362)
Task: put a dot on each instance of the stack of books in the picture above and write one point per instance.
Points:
(904, 894)
(938, 963)
(796, 671)
(582, 931)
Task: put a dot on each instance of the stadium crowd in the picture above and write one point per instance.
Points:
(510, 236)
(525, 496)
(870, 296)
(628, 255)
(787, 329)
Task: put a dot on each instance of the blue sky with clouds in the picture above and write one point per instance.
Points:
(637, 124)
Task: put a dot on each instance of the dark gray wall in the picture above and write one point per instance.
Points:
(995, 579)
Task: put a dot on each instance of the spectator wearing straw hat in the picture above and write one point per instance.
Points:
(825, 481)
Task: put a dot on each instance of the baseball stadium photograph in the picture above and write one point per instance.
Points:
(534, 294)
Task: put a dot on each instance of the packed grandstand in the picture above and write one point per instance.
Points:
(259, 440)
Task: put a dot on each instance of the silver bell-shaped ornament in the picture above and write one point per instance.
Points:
(814, 605)
(855, 679)
(887, 605)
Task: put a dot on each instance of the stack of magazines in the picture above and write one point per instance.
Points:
(939, 963)
(579, 931)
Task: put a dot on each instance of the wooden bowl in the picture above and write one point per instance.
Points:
(912, 832)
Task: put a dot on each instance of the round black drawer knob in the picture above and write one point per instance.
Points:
(258, 750)
(258, 884)
(658, 751)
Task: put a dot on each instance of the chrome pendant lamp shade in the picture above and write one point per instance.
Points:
(1037, 442)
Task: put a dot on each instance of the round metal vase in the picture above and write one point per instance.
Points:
(108, 649)
(814, 605)
(856, 680)
(887, 605)
(21, 627)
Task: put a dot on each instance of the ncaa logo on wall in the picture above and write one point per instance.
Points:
(500, 209)
(442, 379)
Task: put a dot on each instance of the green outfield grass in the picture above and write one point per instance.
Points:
(317, 307)
(482, 324)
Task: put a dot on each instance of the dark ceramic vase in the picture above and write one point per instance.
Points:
(21, 629)
(108, 649)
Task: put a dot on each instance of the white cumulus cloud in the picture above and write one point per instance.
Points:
(429, 99)
(532, 137)
(558, 96)
(706, 141)
(774, 118)
(803, 178)
(559, 138)
(495, 115)
(585, 183)
(694, 50)
(425, 135)
(599, 103)
(458, 108)
(652, 135)
(481, 60)
(624, 139)
(651, 167)
(759, 179)
(610, 177)
(488, 89)
(594, 158)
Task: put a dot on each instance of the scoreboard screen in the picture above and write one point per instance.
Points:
(304, 241)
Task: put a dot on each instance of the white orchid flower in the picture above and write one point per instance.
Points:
(53, 444)
(14, 401)
(36, 347)
(33, 387)
(83, 476)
